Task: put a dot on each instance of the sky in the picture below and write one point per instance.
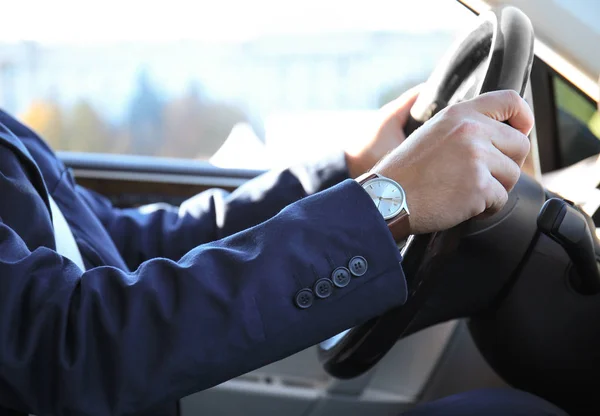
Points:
(588, 11)
(84, 21)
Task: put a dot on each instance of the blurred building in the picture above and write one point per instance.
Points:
(286, 73)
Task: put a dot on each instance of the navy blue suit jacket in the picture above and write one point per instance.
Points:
(174, 300)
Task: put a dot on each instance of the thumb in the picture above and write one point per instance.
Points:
(400, 107)
(507, 106)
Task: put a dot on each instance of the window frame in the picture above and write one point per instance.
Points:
(545, 109)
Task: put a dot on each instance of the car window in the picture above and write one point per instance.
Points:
(577, 122)
(241, 84)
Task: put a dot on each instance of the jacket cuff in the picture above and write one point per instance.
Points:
(357, 239)
(326, 172)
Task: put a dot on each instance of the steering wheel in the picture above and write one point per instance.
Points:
(496, 54)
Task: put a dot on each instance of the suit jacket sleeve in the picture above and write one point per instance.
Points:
(107, 341)
(161, 230)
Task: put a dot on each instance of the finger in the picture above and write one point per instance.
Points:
(496, 196)
(504, 169)
(400, 107)
(509, 141)
(507, 106)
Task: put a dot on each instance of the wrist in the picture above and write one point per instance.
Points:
(390, 200)
(355, 165)
(387, 168)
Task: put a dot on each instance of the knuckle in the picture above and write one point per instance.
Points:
(524, 146)
(515, 174)
(502, 197)
(452, 111)
(511, 173)
(481, 178)
(512, 97)
(478, 206)
(499, 202)
(474, 154)
(467, 129)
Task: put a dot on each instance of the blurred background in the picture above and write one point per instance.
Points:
(237, 83)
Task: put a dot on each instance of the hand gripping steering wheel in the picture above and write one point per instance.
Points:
(496, 55)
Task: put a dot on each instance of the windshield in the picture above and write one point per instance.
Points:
(241, 84)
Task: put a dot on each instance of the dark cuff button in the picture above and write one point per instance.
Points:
(358, 266)
(341, 277)
(323, 288)
(304, 298)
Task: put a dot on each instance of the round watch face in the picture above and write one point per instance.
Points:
(387, 195)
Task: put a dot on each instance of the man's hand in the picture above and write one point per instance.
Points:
(389, 134)
(463, 161)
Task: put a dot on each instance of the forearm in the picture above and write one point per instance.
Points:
(169, 328)
(170, 232)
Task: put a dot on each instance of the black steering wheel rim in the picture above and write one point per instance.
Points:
(498, 52)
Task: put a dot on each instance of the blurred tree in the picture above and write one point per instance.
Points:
(195, 127)
(46, 118)
(572, 101)
(183, 125)
(594, 124)
(121, 141)
(218, 119)
(145, 117)
(86, 131)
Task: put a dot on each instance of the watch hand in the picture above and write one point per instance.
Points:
(379, 202)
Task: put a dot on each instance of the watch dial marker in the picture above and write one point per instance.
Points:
(386, 195)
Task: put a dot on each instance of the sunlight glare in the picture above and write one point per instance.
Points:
(76, 21)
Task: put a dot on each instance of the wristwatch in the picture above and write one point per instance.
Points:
(390, 199)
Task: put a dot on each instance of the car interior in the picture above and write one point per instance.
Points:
(524, 284)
